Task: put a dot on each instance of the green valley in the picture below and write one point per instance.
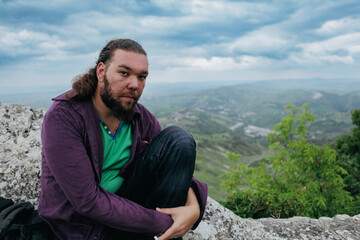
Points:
(237, 118)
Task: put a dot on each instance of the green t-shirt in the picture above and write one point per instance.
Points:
(117, 150)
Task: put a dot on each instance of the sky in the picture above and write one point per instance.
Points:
(48, 43)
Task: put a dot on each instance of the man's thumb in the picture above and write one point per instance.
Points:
(164, 210)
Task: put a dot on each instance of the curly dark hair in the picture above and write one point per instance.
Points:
(84, 86)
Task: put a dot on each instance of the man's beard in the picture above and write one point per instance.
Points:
(115, 106)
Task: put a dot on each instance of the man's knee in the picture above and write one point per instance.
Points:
(179, 137)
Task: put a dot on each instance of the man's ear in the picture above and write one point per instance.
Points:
(100, 71)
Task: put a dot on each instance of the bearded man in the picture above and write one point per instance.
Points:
(108, 170)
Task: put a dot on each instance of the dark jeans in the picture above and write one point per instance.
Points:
(160, 177)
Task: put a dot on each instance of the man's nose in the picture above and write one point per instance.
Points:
(133, 83)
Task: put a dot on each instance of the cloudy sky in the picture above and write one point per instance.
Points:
(46, 42)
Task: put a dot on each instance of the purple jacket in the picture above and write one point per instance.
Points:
(72, 201)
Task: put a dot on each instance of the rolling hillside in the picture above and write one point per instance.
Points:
(238, 118)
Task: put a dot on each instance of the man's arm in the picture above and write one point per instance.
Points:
(201, 192)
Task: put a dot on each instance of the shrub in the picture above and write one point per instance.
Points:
(301, 178)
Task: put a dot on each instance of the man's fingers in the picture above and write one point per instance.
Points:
(169, 233)
(167, 211)
(180, 225)
(172, 230)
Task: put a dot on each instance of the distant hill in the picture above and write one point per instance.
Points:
(223, 107)
(338, 86)
(36, 97)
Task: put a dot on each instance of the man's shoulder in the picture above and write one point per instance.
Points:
(62, 109)
(60, 103)
(140, 108)
(65, 100)
(64, 97)
(146, 121)
(143, 112)
(63, 104)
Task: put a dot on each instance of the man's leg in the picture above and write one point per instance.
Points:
(161, 176)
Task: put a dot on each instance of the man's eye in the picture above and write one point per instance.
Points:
(142, 77)
(125, 74)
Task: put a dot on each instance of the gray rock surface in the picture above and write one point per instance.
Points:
(20, 164)
(221, 223)
(20, 152)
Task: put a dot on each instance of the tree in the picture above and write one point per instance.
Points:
(348, 147)
(300, 178)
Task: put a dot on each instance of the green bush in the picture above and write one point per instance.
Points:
(301, 178)
(348, 147)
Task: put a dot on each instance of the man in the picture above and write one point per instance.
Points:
(108, 171)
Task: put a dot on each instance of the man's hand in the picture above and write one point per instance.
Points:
(184, 217)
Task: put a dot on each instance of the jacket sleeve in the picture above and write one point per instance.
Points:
(201, 193)
(68, 161)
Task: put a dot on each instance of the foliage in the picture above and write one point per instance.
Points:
(300, 179)
(348, 147)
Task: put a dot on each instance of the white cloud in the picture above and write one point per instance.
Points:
(342, 49)
(264, 40)
(43, 4)
(165, 26)
(65, 56)
(344, 25)
(217, 63)
(220, 10)
(98, 26)
(24, 42)
(310, 59)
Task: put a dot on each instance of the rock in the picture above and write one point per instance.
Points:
(20, 170)
(20, 152)
(221, 223)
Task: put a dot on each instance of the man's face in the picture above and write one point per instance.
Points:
(123, 82)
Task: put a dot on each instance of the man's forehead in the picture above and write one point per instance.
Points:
(120, 54)
(130, 60)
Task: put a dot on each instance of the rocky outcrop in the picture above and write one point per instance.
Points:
(20, 160)
(20, 152)
(221, 223)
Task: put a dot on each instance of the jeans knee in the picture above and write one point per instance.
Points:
(175, 150)
(179, 136)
